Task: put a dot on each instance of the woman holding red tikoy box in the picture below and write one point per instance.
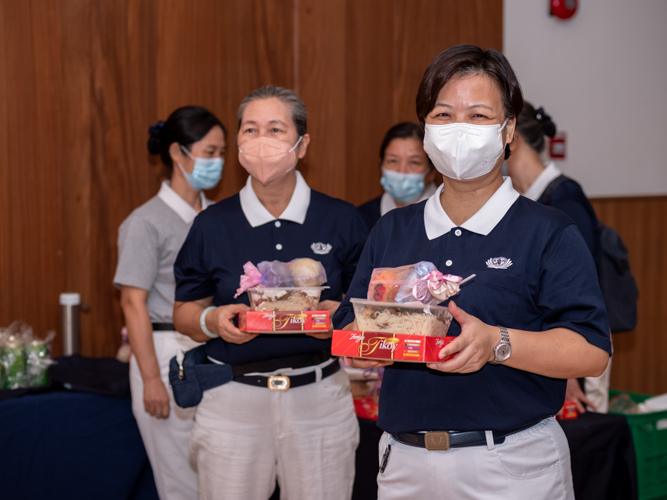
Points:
(481, 425)
(252, 430)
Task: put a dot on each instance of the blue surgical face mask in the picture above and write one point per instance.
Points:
(403, 188)
(206, 173)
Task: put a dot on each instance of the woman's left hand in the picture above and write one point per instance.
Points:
(473, 347)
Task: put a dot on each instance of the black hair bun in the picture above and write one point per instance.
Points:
(154, 138)
(548, 126)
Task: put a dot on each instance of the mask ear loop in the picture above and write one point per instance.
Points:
(294, 147)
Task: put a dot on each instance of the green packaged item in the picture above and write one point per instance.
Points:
(37, 363)
(13, 357)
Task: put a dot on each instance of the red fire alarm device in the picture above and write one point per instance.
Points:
(563, 9)
(557, 146)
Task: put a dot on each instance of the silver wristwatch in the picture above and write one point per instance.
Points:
(503, 350)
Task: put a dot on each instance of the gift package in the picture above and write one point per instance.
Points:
(284, 297)
(399, 321)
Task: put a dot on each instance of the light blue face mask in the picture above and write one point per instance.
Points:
(403, 188)
(206, 173)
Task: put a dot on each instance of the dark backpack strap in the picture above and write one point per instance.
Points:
(549, 191)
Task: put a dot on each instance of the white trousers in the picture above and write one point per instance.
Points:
(166, 440)
(245, 437)
(533, 464)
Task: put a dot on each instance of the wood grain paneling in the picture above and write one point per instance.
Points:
(83, 80)
(639, 356)
(31, 266)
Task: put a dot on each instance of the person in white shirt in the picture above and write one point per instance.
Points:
(191, 144)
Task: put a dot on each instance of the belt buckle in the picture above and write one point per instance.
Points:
(278, 383)
(437, 440)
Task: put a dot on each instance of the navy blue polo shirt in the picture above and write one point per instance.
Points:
(534, 272)
(239, 229)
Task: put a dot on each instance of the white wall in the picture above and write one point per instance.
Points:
(602, 76)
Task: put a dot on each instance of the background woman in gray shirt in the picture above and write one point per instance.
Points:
(191, 144)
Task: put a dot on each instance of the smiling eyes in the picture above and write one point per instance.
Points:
(475, 116)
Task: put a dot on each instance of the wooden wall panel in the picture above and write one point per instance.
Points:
(321, 71)
(639, 356)
(31, 271)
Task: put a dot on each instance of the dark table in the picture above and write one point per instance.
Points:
(60, 444)
(601, 449)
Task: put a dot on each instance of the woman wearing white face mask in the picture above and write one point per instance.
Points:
(407, 172)
(191, 144)
(247, 434)
(481, 425)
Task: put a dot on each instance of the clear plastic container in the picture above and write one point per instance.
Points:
(410, 318)
(285, 298)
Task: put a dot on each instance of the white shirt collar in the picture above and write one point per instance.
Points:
(182, 208)
(543, 180)
(387, 203)
(437, 222)
(258, 215)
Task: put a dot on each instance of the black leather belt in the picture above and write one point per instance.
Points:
(445, 440)
(163, 327)
(284, 382)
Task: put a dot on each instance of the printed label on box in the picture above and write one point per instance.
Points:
(283, 321)
(382, 346)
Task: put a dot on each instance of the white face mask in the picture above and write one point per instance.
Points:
(462, 150)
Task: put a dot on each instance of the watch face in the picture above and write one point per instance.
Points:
(503, 352)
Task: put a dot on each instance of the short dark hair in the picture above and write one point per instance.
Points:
(533, 124)
(185, 126)
(469, 59)
(289, 97)
(403, 130)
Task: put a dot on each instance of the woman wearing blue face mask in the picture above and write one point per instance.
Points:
(407, 172)
(191, 144)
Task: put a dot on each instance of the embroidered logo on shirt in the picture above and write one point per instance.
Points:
(499, 263)
(321, 248)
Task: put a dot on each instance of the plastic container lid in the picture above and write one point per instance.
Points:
(70, 299)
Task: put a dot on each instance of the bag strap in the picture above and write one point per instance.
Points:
(549, 191)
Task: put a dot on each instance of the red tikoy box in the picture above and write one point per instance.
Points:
(283, 321)
(391, 346)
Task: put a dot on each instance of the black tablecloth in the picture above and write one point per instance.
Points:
(601, 449)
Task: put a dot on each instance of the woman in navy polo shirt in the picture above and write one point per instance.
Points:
(245, 434)
(547, 185)
(481, 424)
(407, 173)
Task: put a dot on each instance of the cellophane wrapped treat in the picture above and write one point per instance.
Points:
(420, 282)
(283, 286)
(24, 358)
